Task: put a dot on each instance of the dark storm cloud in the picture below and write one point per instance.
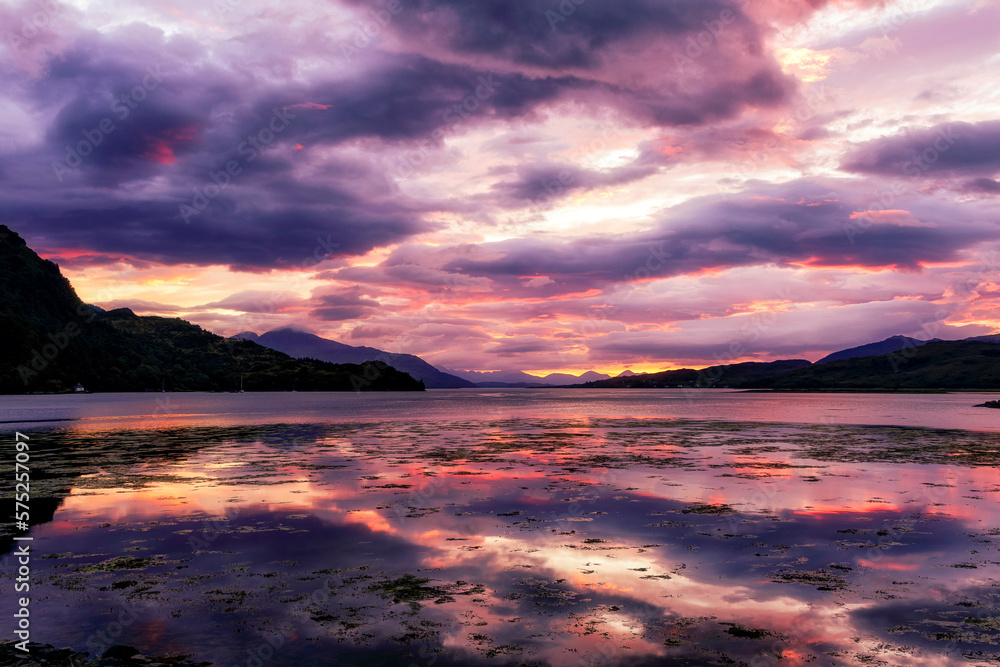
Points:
(133, 163)
(986, 185)
(87, 260)
(247, 235)
(718, 97)
(950, 147)
(138, 128)
(541, 184)
(690, 61)
(128, 104)
(129, 110)
(547, 33)
(343, 305)
(339, 313)
(784, 335)
(800, 222)
(409, 97)
(132, 122)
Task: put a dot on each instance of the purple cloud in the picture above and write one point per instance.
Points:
(803, 222)
(949, 147)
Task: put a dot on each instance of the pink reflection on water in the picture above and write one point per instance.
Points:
(591, 555)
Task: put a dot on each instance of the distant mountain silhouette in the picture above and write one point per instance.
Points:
(563, 378)
(991, 338)
(301, 344)
(495, 378)
(728, 375)
(952, 365)
(51, 341)
(891, 344)
(499, 379)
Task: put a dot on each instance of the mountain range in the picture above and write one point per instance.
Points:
(895, 363)
(730, 375)
(301, 344)
(947, 365)
(304, 345)
(52, 341)
(499, 379)
(887, 346)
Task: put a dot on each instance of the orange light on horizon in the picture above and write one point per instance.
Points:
(817, 263)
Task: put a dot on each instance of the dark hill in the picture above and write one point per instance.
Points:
(941, 365)
(891, 344)
(731, 375)
(989, 338)
(51, 340)
(300, 344)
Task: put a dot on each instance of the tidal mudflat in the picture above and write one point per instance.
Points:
(520, 541)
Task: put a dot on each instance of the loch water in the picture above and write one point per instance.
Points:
(542, 527)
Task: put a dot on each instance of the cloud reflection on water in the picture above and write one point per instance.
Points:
(557, 542)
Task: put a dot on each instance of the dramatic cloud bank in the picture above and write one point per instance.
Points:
(528, 185)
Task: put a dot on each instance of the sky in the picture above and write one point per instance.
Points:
(517, 184)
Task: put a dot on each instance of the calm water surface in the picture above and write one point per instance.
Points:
(930, 410)
(515, 527)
